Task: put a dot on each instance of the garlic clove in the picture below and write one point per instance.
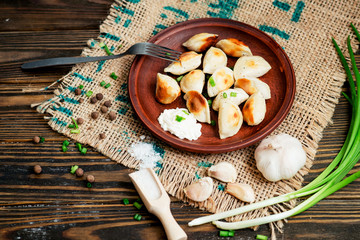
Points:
(200, 190)
(223, 171)
(241, 191)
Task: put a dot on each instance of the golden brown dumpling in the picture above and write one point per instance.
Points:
(194, 80)
(214, 59)
(254, 109)
(233, 47)
(251, 66)
(252, 85)
(167, 89)
(200, 42)
(198, 106)
(230, 119)
(187, 61)
(236, 96)
(221, 80)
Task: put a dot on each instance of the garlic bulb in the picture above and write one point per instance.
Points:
(279, 157)
(223, 171)
(199, 191)
(241, 191)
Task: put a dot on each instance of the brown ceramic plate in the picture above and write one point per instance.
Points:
(281, 79)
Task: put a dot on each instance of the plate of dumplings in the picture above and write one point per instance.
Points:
(233, 78)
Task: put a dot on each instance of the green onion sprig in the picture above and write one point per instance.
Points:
(328, 182)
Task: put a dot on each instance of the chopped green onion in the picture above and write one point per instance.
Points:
(223, 233)
(209, 102)
(231, 233)
(41, 139)
(137, 217)
(75, 123)
(138, 200)
(233, 94)
(212, 81)
(81, 86)
(329, 181)
(179, 78)
(105, 47)
(83, 150)
(66, 143)
(102, 83)
(261, 237)
(126, 201)
(75, 131)
(224, 95)
(107, 85)
(137, 205)
(213, 123)
(89, 93)
(73, 169)
(186, 112)
(113, 76)
(179, 118)
(64, 148)
(71, 126)
(169, 54)
(89, 185)
(79, 146)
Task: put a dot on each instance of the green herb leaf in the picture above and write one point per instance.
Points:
(107, 85)
(179, 78)
(89, 93)
(66, 143)
(233, 94)
(179, 118)
(224, 95)
(73, 169)
(102, 83)
(212, 81)
(83, 150)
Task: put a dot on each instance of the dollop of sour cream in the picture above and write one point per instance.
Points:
(181, 123)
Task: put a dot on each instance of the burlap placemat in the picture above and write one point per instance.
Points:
(302, 28)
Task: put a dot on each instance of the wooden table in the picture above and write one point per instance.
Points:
(57, 205)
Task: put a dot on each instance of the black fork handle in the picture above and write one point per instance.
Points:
(65, 61)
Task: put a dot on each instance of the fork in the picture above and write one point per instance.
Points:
(144, 48)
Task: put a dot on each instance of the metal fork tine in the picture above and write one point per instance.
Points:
(163, 56)
(162, 48)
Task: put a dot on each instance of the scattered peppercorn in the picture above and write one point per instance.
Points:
(36, 139)
(112, 116)
(81, 100)
(99, 96)
(103, 109)
(93, 100)
(90, 178)
(102, 135)
(78, 91)
(37, 169)
(107, 103)
(95, 115)
(79, 172)
(80, 121)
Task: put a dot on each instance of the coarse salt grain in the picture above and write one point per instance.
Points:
(145, 153)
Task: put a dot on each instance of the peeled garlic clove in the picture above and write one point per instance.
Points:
(200, 190)
(241, 191)
(223, 171)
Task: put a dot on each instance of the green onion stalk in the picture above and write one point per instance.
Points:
(328, 182)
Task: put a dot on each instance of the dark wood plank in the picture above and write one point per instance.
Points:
(56, 204)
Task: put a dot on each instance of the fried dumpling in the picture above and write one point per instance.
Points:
(194, 80)
(230, 119)
(254, 109)
(236, 96)
(222, 79)
(214, 59)
(200, 42)
(187, 61)
(251, 66)
(234, 48)
(198, 106)
(252, 85)
(167, 89)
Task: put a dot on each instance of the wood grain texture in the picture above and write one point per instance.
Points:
(56, 204)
